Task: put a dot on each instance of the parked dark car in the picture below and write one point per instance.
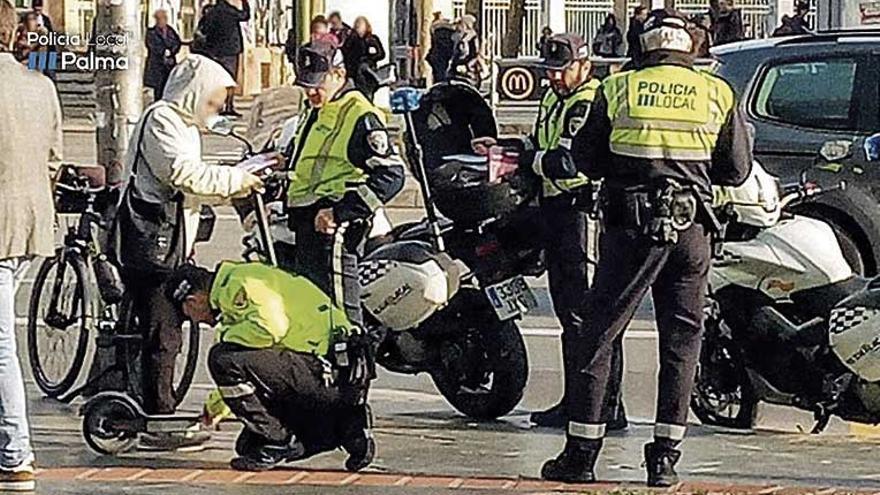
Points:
(802, 92)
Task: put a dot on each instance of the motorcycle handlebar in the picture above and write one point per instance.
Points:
(803, 190)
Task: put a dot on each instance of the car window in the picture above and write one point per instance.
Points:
(815, 94)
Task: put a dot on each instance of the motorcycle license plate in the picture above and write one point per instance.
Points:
(511, 298)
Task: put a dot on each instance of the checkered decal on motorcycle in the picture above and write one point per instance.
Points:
(371, 271)
(842, 319)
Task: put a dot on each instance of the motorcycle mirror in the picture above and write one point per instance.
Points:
(405, 100)
(872, 148)
(221, 126)
(836, 150)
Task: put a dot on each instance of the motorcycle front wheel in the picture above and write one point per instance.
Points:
(722, 393)
(483, 374)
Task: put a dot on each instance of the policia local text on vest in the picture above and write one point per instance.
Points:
(659, 137)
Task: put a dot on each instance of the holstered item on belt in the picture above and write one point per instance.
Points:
(675, 208)
(660, 213)
(354, 359)
(587, 199)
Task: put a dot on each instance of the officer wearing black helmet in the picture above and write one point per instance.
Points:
(659, 136)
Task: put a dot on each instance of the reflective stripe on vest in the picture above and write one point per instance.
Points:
(551, 122)
(666, 112)
(323, 169)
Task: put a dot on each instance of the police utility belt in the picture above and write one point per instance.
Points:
(660, 212)
(351, 361)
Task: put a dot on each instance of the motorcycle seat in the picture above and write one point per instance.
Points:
(820, 300)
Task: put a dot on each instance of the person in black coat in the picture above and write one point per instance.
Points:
(636, 28)
(43, 19)
(223, 42)
(608, 39)
(442, 47)
(163, 43)
(543, 42)
(727, 26)
(362, 53)
(797, 24)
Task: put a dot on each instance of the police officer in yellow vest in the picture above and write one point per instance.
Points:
(659, 137)
(277, 363)
(565, 205)
(344, 168)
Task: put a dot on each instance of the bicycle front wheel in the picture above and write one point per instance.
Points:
(187, 359)
(59, 315)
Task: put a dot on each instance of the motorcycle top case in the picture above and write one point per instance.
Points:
(854, 332)
(449, 117)
(404, 283)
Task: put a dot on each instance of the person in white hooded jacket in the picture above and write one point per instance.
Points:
(159, 217)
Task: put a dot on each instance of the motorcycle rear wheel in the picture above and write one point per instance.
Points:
(487, 377)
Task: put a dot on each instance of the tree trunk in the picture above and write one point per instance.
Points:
(475, 8)
(513, 37)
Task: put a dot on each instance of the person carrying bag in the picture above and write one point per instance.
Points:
(158, 220)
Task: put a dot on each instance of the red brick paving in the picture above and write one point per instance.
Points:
(341, 478)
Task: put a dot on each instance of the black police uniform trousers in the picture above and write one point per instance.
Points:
(678, 282)
(278, 393)
(330, 261)
(565, 245)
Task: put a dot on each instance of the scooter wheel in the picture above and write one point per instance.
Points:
(102, 420)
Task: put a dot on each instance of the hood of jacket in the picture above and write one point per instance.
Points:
(191, 82)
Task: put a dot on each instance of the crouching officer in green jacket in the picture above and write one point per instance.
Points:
(286, 362)
(565, 208)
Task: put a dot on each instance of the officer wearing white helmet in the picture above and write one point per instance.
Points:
(659, 137)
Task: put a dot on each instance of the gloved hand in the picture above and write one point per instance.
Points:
(215, 410)
(250, 184)
(558, 165)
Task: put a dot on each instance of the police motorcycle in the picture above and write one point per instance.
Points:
(788, 321)
(443, 298)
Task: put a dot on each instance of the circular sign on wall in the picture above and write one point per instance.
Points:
(517, 83)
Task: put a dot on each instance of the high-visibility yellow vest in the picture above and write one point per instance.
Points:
(323, 169)
(666, 112)
(262, 306)
(551, 129)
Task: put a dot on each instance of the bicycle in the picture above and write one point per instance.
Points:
(77, 292)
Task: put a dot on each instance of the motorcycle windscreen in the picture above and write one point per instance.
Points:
(449, 117)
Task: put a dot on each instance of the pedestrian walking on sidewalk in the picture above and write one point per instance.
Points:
(30, 143)
(362, 53)
(223, 41)
(163, 44)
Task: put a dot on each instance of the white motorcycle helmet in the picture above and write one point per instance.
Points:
(756, 202)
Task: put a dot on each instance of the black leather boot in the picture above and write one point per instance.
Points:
(660, 462)
(575, 464)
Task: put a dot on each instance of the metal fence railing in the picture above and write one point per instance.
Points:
(584, 17)
(494, 25)
(757, 14)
